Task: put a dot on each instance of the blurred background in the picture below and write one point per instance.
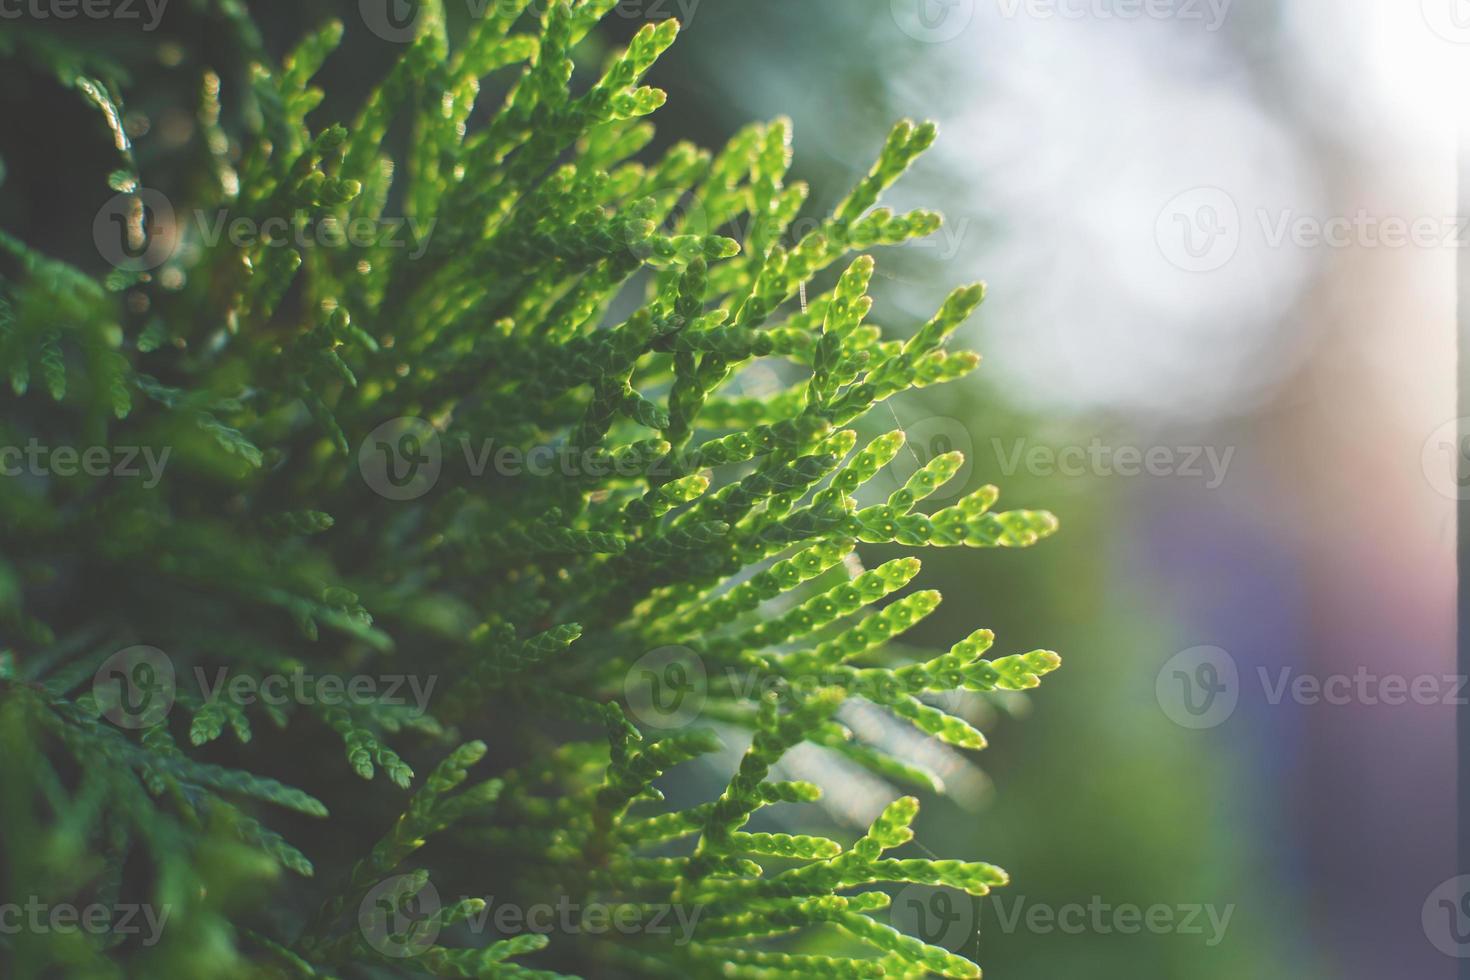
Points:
(1221, 241)
(1219, 341)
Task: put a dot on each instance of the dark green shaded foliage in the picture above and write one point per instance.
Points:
(564, 294)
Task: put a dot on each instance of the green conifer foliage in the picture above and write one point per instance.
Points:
(317, 517)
